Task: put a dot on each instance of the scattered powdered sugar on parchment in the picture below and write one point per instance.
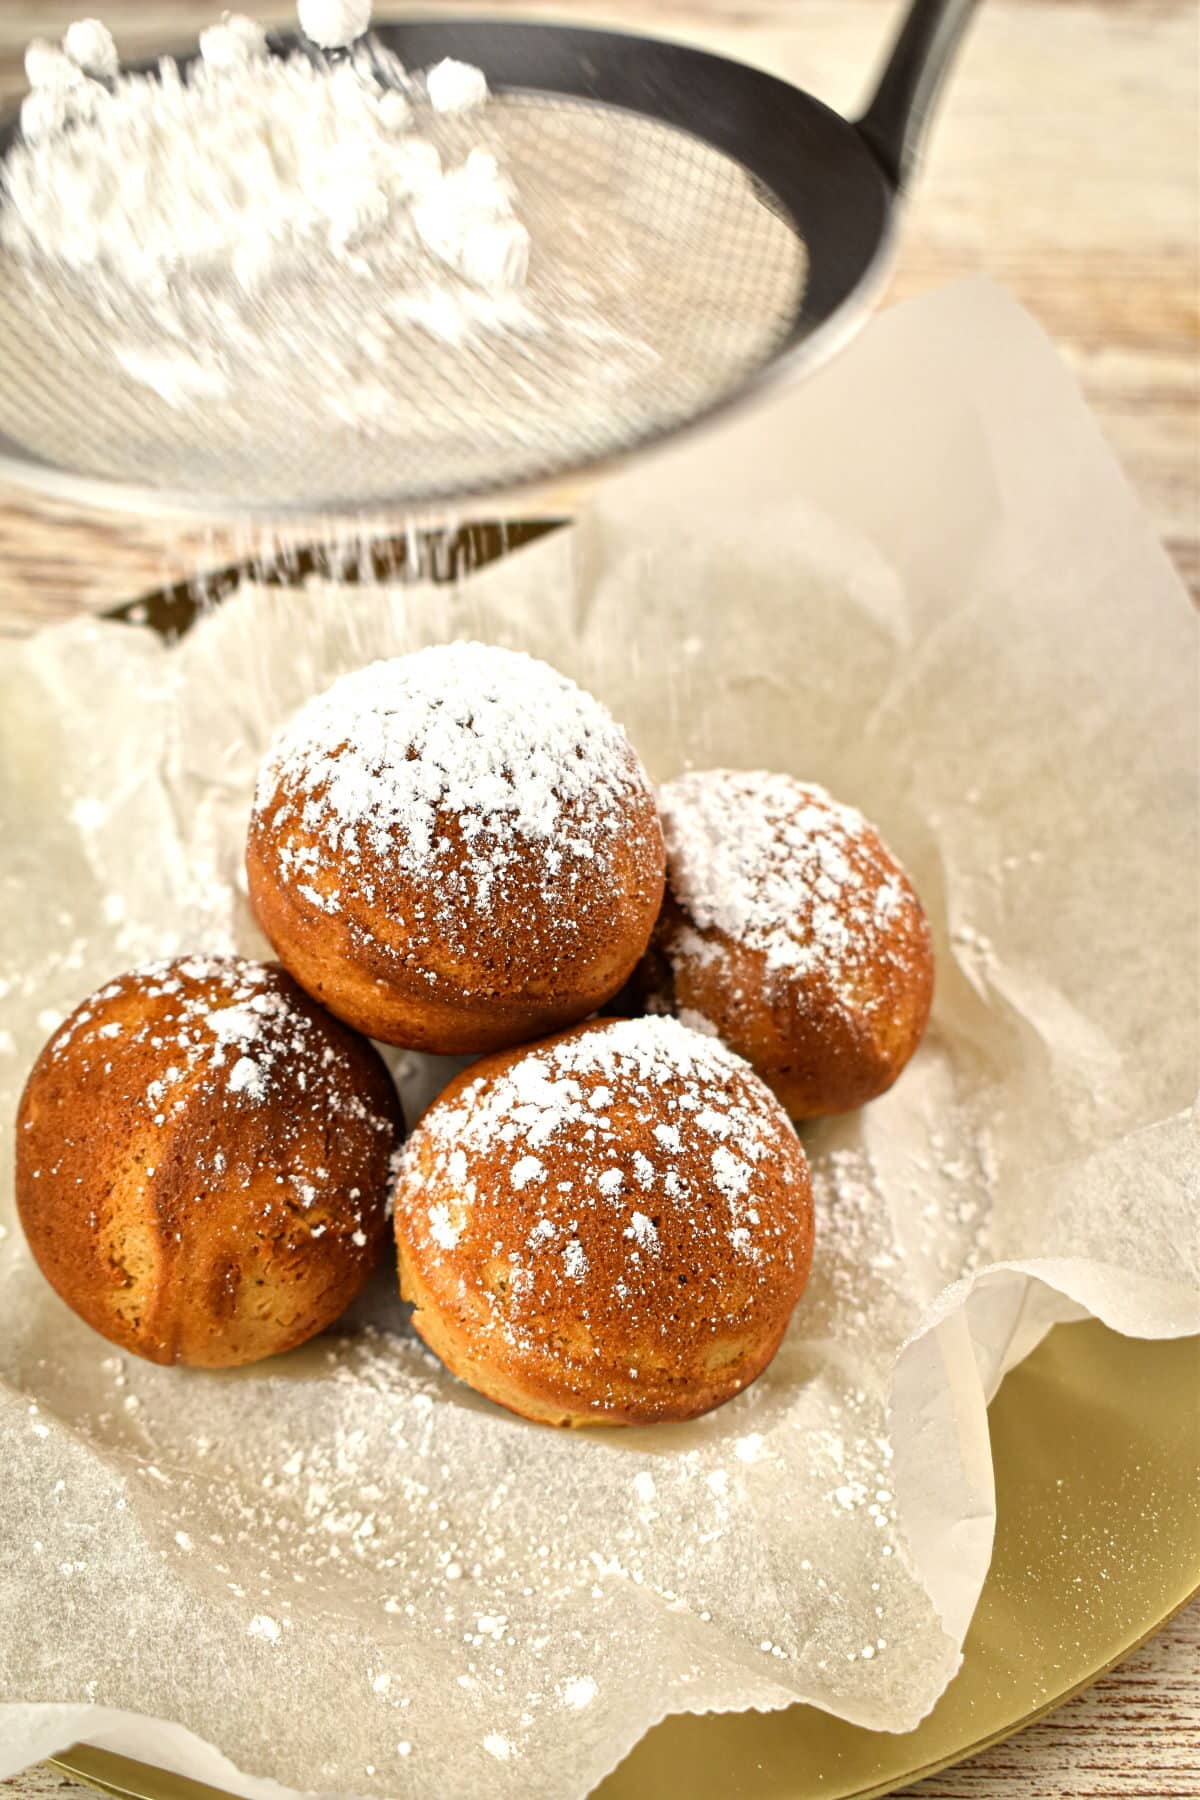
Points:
(382, 1517)
(237, 1042)
(264, 1627)
(579, 1692)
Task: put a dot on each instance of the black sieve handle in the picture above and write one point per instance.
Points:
(893, 125)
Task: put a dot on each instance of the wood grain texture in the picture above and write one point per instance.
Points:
(1064, 165)
(1133, 1735)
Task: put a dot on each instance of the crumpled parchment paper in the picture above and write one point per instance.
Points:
(922, 581)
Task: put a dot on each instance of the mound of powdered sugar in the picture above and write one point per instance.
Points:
(246, 163)
(777, 865)
(281, 276)
(503, 746)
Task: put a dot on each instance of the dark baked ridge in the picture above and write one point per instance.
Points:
(202, 1162)
(790, 927)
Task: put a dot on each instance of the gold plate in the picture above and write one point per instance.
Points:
(1096, 1441)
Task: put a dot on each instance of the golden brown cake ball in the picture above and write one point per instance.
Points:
(791, 929)
(456, 850)
(608, 1228)
(202, 1162)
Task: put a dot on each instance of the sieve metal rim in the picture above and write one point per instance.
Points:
(809, 342)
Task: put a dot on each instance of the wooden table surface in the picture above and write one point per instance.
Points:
(1064, 165)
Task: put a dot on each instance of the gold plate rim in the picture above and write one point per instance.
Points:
(1005, 1732)
(1077, 1360)
(80, 1761)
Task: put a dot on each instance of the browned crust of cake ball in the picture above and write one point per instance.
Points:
(625, 1246)
(833, 1027)
(548, 954)
(439, 956)
(203, 1162)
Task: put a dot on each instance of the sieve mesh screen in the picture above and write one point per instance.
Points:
(662, 276)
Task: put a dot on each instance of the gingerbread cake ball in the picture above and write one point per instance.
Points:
(791, 929)
(202, 1162)
(608, 1228)
(456, 850)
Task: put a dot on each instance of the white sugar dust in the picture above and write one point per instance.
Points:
(247, 162)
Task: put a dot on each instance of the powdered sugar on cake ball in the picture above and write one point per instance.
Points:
(447, 765)
(617, 1152)
(203, 1161)
(225, 1024)
(778, 866)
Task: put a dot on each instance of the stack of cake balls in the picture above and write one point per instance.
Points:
(604, 1219)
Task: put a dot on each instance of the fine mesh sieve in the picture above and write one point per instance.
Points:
(697, 225)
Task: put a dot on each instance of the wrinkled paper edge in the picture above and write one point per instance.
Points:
(979, 1329)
